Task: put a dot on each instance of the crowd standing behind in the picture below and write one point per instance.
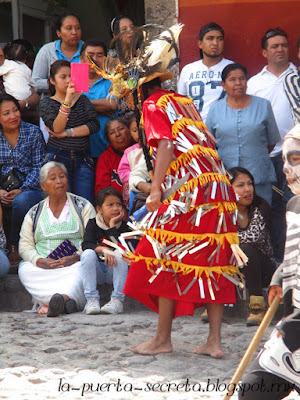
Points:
(84, 130)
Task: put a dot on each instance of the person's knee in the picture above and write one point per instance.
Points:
(88, 257)
(4, 264)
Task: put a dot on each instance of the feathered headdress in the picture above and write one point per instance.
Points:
(146, 58)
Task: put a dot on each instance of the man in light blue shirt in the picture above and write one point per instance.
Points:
(99, 89)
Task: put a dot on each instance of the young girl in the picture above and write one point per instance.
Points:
(16, 74)
(107, 224)
(70, 118)
(131, 155)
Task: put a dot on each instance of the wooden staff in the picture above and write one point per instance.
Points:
(254, 344)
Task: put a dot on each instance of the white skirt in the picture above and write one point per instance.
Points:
(42, 284)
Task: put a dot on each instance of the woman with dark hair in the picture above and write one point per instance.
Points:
(123, 25)
(22, 149)
(70, 118)
(118, 134)
(67, 48)
(254, 227)
(245, 129)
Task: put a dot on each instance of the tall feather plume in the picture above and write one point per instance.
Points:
(161, 47)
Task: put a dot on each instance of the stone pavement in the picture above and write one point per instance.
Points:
(86, 357)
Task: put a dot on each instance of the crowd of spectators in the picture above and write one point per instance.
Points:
(81, 138)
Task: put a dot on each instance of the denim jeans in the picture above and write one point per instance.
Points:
(21, 204)
(96, 272)
(4, 263)
(80, 167)
(279, 209)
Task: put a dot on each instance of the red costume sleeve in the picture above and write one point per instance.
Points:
(156, 123)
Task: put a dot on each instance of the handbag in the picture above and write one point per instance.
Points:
(10, 181)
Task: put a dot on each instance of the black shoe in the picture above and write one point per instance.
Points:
(56, 305)
(70, 306)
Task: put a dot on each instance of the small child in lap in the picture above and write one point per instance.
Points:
(108, 269)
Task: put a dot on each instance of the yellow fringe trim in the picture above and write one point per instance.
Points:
(180, 124)
(168, 236)
(186, 268)
(163, 100)
(200, 180)
(184, 158)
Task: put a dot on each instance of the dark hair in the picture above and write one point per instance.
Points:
(115, 24)
(235, 172)
(93, 43)
(271, 33)
(7, 97)
(15, 51)
(105, 192)
(55, 67)
(211, 26)
(119, 119)
(60, 20)
(232, 67)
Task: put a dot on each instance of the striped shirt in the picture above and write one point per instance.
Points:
(291, 262)
(82, 113)
(292, 90)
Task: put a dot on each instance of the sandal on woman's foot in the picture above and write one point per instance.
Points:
(70, 306)
(56, 305)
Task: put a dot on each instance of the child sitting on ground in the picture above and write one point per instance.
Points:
(15, 73)
(108, 225)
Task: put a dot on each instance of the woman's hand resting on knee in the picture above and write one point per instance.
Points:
(49, 263)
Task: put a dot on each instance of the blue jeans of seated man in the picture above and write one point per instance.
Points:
(96, 272)
(21, 204)
(4, 263)
(80, 167)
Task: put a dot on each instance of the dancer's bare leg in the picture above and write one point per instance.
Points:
(213, 345)
(161, 342)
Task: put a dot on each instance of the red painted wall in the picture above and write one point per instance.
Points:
(244, 23)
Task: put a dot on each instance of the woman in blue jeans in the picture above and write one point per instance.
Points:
(4, 262)
(110, 268)
(22, 150)
(70, 118)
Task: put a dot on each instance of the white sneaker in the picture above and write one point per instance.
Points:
(115, 306)
(92, 307)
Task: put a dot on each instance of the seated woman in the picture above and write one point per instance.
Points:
(117, 132)
(70, 118)
(254, 219)
(245, 129)
(4, 262)
(55, 284)
(22, 149)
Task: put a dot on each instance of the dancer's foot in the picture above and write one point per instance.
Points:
(212, 350)
(42, 310)
(152, 347)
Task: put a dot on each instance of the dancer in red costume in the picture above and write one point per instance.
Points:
(201, 214)
(188, 255)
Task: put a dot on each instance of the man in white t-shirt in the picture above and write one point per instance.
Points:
(269, 84)
(201, 80)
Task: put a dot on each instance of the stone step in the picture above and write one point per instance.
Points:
(14, 297)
